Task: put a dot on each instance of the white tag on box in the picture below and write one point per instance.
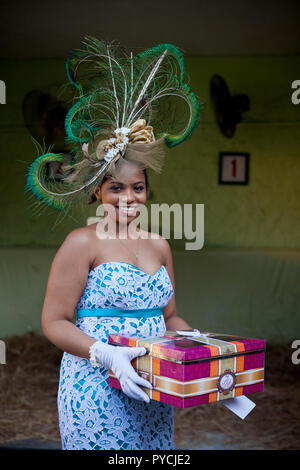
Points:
(241, 406)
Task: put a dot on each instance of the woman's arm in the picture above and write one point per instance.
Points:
(172, 320)
(67, 280)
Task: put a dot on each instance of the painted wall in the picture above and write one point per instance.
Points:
(245, 292)
(261, 216)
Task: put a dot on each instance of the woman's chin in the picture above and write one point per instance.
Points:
(123, 216)
(125, 219)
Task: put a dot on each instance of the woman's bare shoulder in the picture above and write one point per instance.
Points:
(77, 245)
(160, 243)
(80, 236)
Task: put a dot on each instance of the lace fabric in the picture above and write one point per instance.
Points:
(92, 415)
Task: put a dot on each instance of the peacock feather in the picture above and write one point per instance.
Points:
(113, 90)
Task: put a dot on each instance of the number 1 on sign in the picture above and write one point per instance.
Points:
(233, 164)
(233, 168)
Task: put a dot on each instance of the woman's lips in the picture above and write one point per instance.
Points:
(127, 209)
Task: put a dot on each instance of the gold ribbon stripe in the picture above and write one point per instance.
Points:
(200, 386)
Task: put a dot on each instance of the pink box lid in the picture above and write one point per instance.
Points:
(185, 348)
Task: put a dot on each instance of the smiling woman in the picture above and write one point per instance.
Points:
(126, 194)
(116, 184)
(114, 283)
(111, 286)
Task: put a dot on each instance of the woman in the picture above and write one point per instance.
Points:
(128, 274)
(116, 283)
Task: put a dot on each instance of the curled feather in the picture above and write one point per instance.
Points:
(116, 90)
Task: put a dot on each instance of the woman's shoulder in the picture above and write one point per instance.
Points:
(76, 247)
(79, 237)
(159, 242)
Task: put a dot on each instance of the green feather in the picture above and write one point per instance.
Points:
(160, 48)
(77, 126)
(114, 89)
(71, 77)
(37, 171)
(172, 140)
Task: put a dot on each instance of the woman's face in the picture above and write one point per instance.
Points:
(126, 193)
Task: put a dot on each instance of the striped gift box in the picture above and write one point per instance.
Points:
(189, 371)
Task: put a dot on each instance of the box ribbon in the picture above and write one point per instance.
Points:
(199, 386)
(226, 365)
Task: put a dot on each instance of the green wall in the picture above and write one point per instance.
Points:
(245, 292)
(261, 216)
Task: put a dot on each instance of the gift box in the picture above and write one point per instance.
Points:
(187, 371)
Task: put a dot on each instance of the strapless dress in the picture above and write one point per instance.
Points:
(92, 415)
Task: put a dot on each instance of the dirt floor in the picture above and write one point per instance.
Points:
(29, 381)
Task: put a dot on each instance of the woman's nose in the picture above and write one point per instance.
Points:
(127, 197)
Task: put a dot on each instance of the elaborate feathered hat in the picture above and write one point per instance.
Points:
(125, 108)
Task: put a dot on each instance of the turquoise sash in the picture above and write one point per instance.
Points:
(119, 312)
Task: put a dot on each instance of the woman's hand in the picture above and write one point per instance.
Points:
(118, 359)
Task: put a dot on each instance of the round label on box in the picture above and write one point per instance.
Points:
(226, 381)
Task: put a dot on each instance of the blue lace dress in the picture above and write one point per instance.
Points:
(92, 415)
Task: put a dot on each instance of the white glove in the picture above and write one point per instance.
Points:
(193, 332)
(118, 359)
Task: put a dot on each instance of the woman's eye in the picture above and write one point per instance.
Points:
(137, 188)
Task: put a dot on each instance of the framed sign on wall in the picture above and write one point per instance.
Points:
(233, 168)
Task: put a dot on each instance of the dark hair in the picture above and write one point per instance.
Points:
(94, 199)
